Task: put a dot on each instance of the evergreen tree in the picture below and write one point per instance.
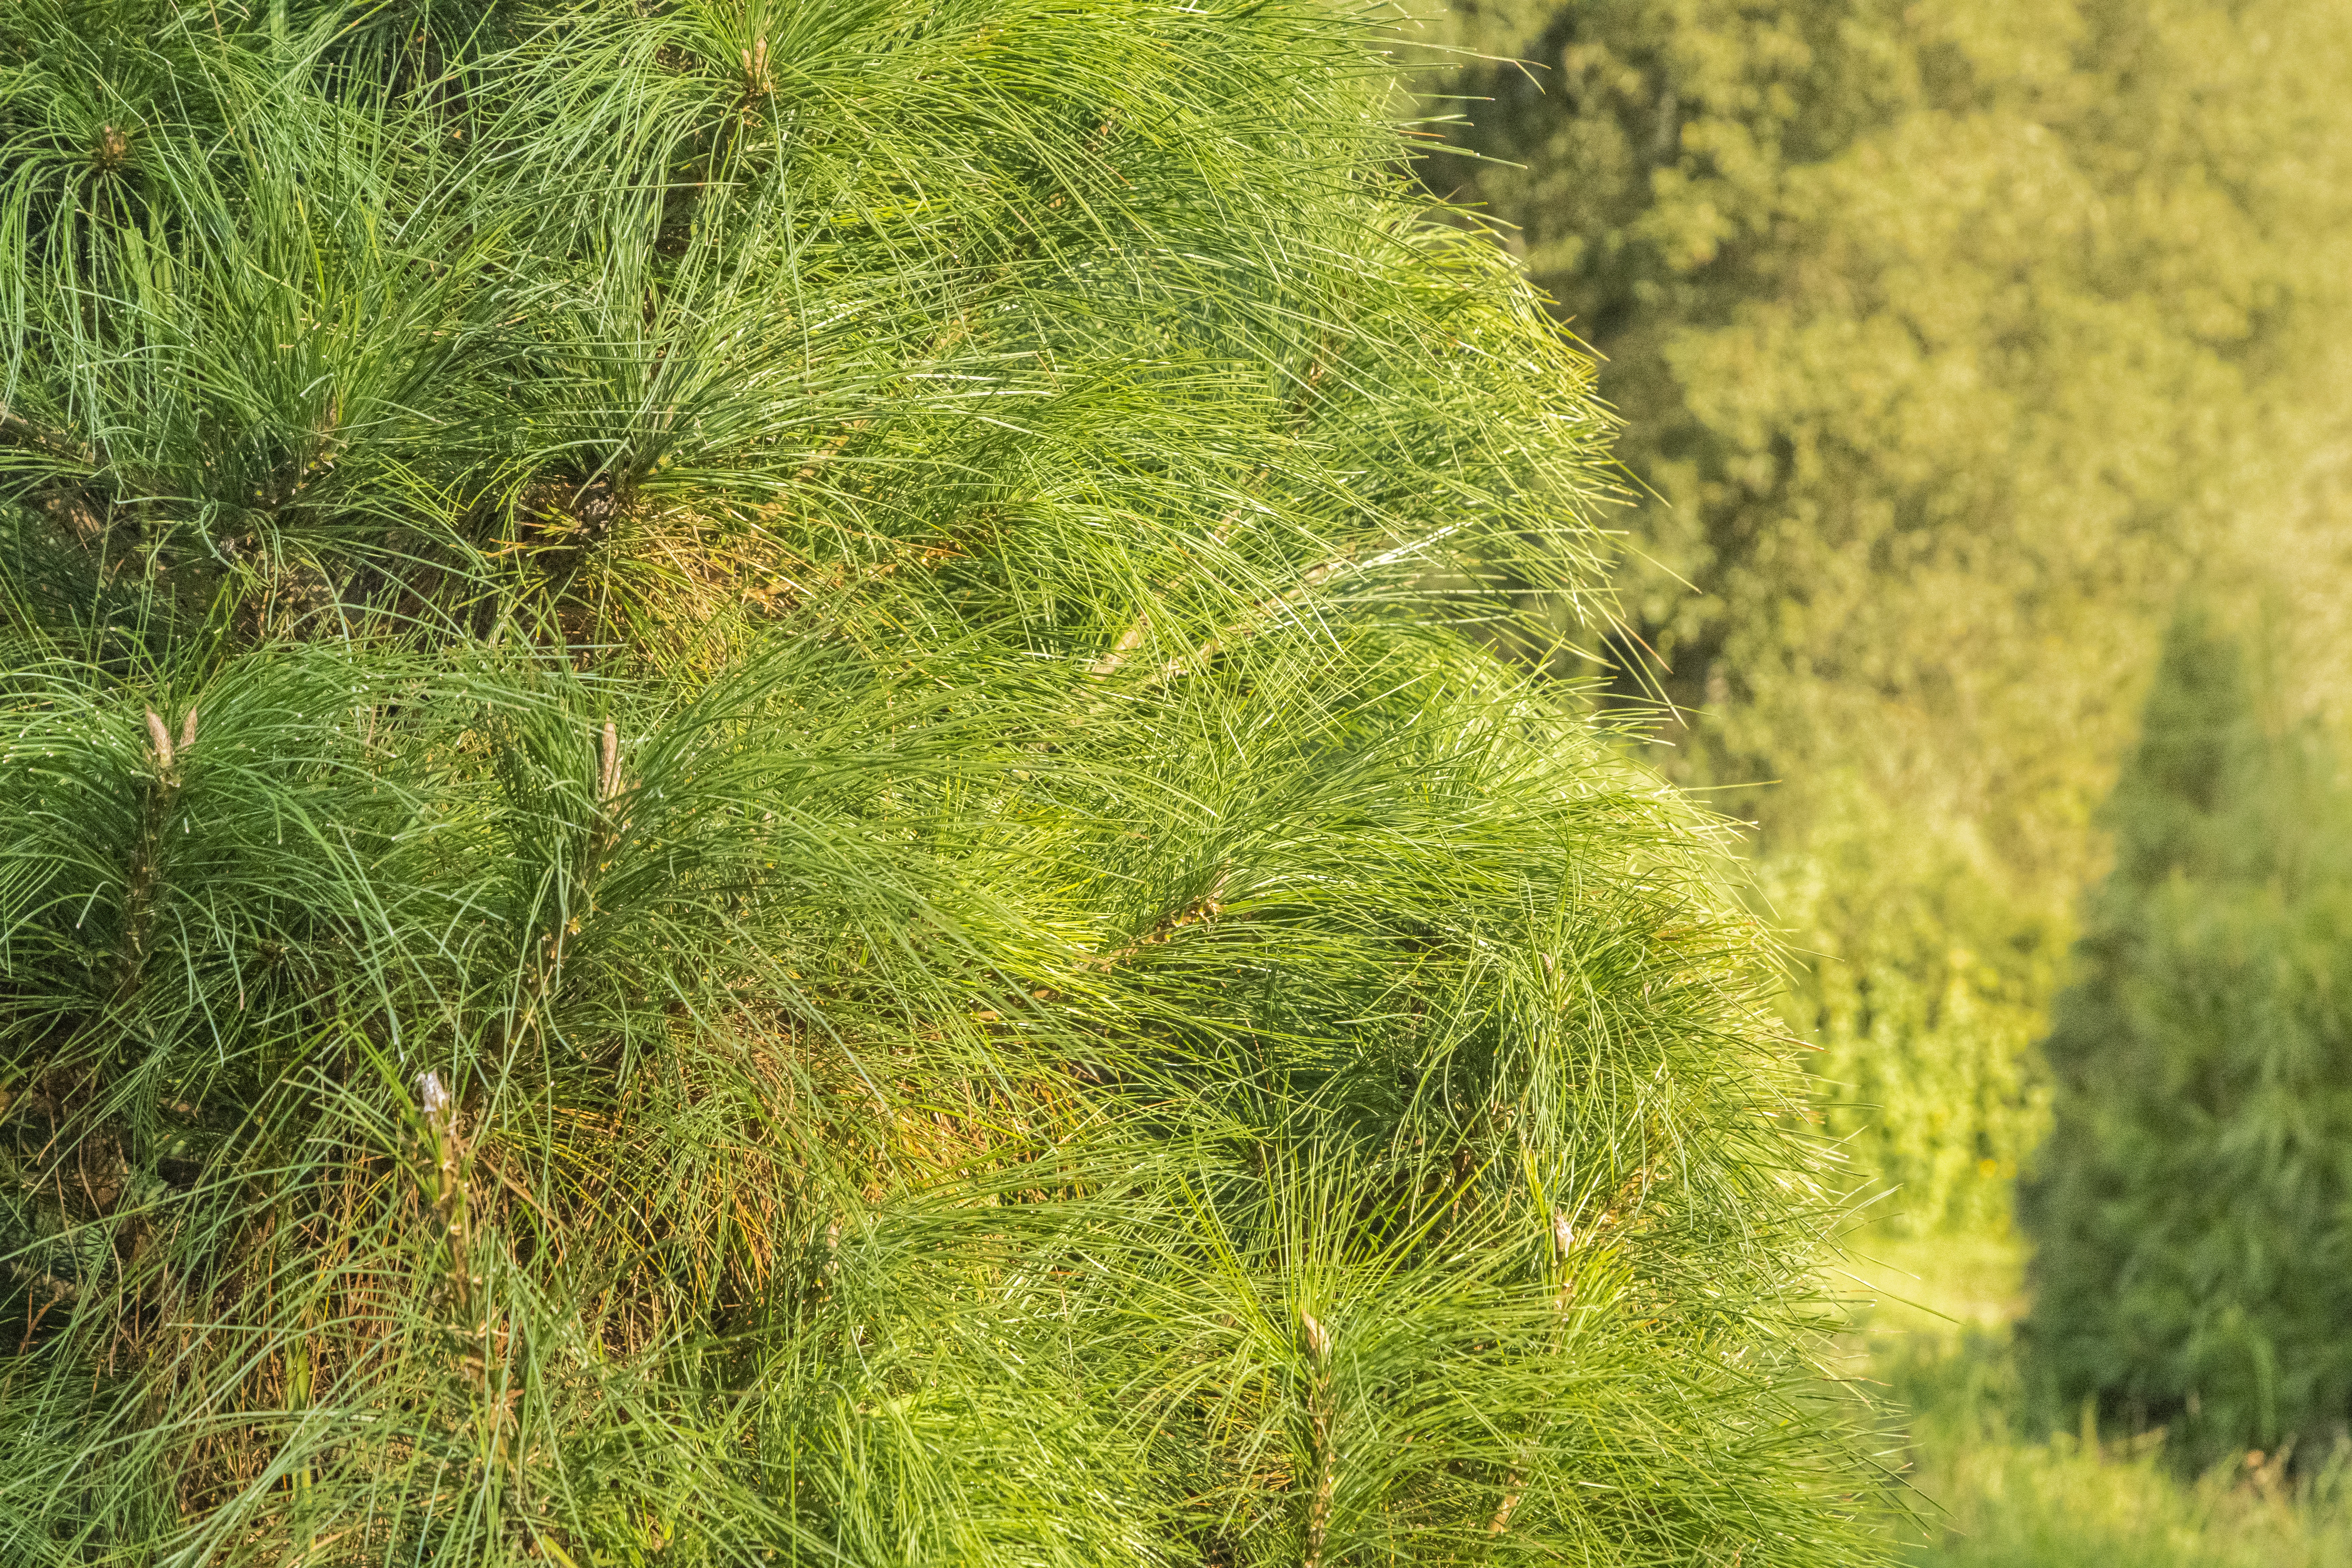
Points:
(753, 809)
(2193, 1208)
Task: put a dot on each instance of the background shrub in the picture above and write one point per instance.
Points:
(2191, 1210)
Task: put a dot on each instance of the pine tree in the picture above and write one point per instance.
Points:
(2193, 1208)
(753, 808)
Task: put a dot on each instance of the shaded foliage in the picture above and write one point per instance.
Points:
(2191, 1209)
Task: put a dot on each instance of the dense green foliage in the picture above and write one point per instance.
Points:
(753, 808)
(2193, 1210)
(1950, 339)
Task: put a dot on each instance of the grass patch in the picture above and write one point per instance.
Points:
(2065, 1503)
(1996, 1484)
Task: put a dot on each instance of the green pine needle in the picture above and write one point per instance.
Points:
(756, 810)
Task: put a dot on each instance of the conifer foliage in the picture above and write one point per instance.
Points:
(2194, 1207)
(751, 811)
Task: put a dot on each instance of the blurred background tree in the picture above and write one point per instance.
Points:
(2193, 1213)
(1950, 340)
